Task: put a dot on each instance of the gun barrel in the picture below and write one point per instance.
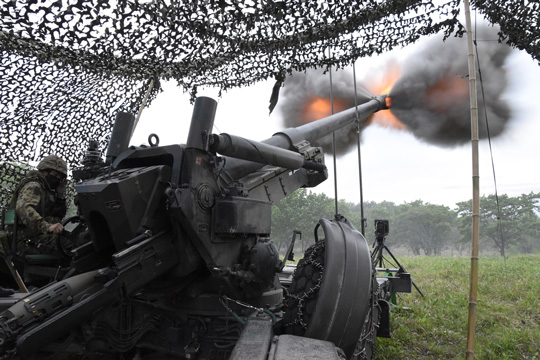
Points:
(322, 127)
(237, 168)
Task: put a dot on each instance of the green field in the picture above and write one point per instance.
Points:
(435, 326)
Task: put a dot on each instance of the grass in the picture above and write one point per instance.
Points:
(435, 326)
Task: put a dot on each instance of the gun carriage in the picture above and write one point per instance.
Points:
(174, 258)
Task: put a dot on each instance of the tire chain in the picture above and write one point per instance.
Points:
(365, 347)
(300, 299)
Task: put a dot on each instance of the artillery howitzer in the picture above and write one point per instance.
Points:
(173, 258)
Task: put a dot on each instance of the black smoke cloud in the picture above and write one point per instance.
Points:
(430, 97)
(300, 88)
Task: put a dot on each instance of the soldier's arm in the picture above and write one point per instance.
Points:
(27, 207)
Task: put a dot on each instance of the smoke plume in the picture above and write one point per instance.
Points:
(306, 97)
(431, 96)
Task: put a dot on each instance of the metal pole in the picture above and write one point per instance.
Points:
(333, 140)
(476, 187)
(362, 219)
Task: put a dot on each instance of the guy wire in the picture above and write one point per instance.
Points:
(499, 222)
(333, 136)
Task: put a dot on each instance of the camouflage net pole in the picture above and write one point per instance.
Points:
(476, 187)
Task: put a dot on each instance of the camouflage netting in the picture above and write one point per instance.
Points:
(69, 66)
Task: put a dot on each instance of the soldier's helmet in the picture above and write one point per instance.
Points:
(53, 162)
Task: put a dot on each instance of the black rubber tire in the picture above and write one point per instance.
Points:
(304, 290)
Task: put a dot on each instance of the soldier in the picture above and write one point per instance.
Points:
(40, 206)
(39, 201)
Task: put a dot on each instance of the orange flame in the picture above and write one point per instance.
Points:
(390, 75)
(383, 87)
(318, 108)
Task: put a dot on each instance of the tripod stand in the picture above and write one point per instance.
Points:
(402, 277)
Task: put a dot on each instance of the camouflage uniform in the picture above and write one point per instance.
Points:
(37, 208)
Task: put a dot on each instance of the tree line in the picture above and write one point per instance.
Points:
(507, 224)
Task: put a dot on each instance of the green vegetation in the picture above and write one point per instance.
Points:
(420, 228)
(435, 327)
(515, 221)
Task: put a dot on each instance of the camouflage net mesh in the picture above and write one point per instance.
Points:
(69, 66)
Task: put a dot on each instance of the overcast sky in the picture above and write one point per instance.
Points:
(396, 166)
